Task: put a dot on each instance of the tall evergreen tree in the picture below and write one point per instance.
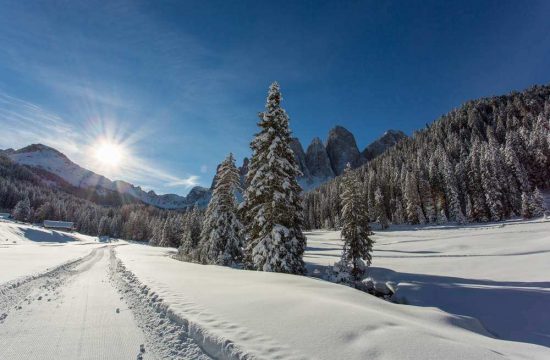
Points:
(380, 210)
(221, 236)
(272, 201)
(355, 225)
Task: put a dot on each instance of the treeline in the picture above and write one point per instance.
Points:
(485, 161)
(30, 199)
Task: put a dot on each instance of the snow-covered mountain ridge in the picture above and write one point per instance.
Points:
(52, 161)
(320, 163)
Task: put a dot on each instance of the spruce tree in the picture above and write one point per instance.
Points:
(355, 226)
(221, 236)
(526, 205)
(272, 202)
(22, 210)
(536, 204)
(380, 210)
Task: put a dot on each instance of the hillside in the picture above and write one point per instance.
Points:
(487, 160)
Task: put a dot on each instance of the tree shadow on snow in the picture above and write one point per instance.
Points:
(46, 236)
(510, 310)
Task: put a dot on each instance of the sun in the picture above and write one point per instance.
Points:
(109, 154)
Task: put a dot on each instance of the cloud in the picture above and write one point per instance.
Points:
(188, 182)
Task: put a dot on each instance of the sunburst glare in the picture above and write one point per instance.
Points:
(108, 153)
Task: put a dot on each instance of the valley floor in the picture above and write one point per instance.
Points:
(478, 291)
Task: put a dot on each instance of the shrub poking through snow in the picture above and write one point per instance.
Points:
(355, 227)
(272, 205)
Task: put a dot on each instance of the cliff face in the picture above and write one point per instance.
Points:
(341, 149)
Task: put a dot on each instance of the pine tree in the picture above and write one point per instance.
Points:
(22, 210)
(536, 205)
(272, 201)
(192, 228)
(221, 236)
(415, 215)
(355, 226)
(380, 210)
(526, 205)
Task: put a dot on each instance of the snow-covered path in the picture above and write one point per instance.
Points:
(72, 315)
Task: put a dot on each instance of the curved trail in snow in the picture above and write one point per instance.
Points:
(72, 312)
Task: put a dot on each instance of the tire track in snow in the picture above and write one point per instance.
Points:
(14, 292)
(169, 339)
(175, 335)
(86, 318)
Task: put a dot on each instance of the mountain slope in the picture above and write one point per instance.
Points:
(49, 161)
(487, 160)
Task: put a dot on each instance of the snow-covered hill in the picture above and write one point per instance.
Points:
(51, 161)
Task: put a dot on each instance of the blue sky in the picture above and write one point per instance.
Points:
(179, 83)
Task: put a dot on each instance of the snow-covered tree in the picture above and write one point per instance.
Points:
(22, 210)
(221, 236)
(355, 226)
(526, 205)
(380, 210)
(192, 226)
(536, 204)
(272, 202)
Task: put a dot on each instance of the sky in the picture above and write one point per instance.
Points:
(177, 85)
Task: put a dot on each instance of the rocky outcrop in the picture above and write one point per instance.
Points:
(317, 160)
(300, 156)
(341, 149)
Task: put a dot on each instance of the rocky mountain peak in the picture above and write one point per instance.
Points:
(317, 160)
(341, 149)
(299, 155)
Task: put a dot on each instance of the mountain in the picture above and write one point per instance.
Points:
(322, 162)
(341, 149)
(487, 160)
(59, 170)
(389, 139)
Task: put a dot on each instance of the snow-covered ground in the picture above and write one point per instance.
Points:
(27, 249)
(474, 292)
(497, 273)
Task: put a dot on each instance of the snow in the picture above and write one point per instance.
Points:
(473, 292)
(451, 273)
(84, 318)
(497, 273)
(27, 250)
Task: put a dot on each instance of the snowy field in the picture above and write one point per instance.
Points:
(474, 292)
(27, 249)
